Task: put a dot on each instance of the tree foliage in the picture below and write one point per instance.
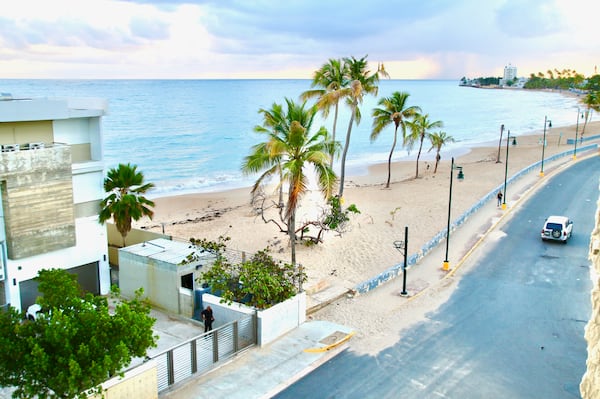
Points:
(74, 344)
(420, 127)
(290, 150)
(393, 110)
(260, 281)
(125, 201)
(560, 80)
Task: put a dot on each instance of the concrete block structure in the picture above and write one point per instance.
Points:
(156, 267)
(51, 185)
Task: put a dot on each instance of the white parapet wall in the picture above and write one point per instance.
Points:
(272, 322)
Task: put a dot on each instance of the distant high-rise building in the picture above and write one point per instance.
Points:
(510, 72)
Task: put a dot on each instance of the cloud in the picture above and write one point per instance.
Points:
(529, 18)
(273, 38)
(152, 29)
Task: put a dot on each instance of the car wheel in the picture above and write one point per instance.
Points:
(556, 233)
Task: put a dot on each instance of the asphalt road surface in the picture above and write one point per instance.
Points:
(513, 328)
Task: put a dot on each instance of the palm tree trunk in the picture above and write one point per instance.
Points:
(387, 185)
(419, 154)
(346, 145)
(292, 234)
(437, 160)
(280, 190)
(335, 118)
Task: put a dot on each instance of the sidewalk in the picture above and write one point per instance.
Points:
(263, 372)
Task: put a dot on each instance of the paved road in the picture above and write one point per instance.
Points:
(514, 326)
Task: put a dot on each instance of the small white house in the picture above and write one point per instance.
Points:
(156, 267)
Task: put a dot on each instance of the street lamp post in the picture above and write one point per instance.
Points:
(506, 169)
(549, 123)
(576, 133)
(460, 177)
(403, 245)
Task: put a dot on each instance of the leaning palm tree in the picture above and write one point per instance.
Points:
(289, 150)
(438, 140)
(125, 201)
(419, 129)
(393, 110)
(592, 103)
(361, 83)
(331, 79)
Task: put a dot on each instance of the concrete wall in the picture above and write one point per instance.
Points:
(91, 246)
(272, 323)
(37, 198)
(590, 383)
(159, 280)
(138, 383)
(135, 236)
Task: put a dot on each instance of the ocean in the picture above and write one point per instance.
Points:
(190, 136)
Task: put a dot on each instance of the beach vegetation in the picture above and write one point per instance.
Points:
(261, 281)
(419, 129)
(125, 200)
(289, 151)
(333, 217)
(558, 80)
(361, 82)
(591, 100)
(327, 87)
(438, 140)
(480, 82)
(393, 110)
(74, 343)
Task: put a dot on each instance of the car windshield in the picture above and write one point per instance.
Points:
(553, 226)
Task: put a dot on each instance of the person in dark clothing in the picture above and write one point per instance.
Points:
(207, 318)
(499, 196)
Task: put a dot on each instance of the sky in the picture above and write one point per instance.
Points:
(263, 39)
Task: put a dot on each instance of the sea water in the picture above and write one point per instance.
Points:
(192, 135)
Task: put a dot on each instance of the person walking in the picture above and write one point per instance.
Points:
(499, 196)
(207, 318)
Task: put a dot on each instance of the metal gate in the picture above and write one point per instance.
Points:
(202, 353)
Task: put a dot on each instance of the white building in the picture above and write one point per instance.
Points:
(51, 184)
(510, 73)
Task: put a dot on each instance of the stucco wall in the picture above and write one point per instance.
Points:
(159, 280)
(272, 323)
(590, 384)
(140, 383)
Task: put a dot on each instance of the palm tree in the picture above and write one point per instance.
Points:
(393, 110)
(419, 128)
(361, 83)
(288, 151)
(592, 103)
(125, 201)
(332, 79)
(438, 140)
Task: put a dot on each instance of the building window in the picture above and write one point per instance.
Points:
(187, 281)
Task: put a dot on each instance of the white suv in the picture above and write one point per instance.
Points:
(557, 228)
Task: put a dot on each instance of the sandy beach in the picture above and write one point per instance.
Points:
(367, 249)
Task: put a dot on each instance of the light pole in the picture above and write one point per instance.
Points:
(403, 245)
(549, 123)
(576, 132)
(506, 168)
(500, 143)
(460, 177)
